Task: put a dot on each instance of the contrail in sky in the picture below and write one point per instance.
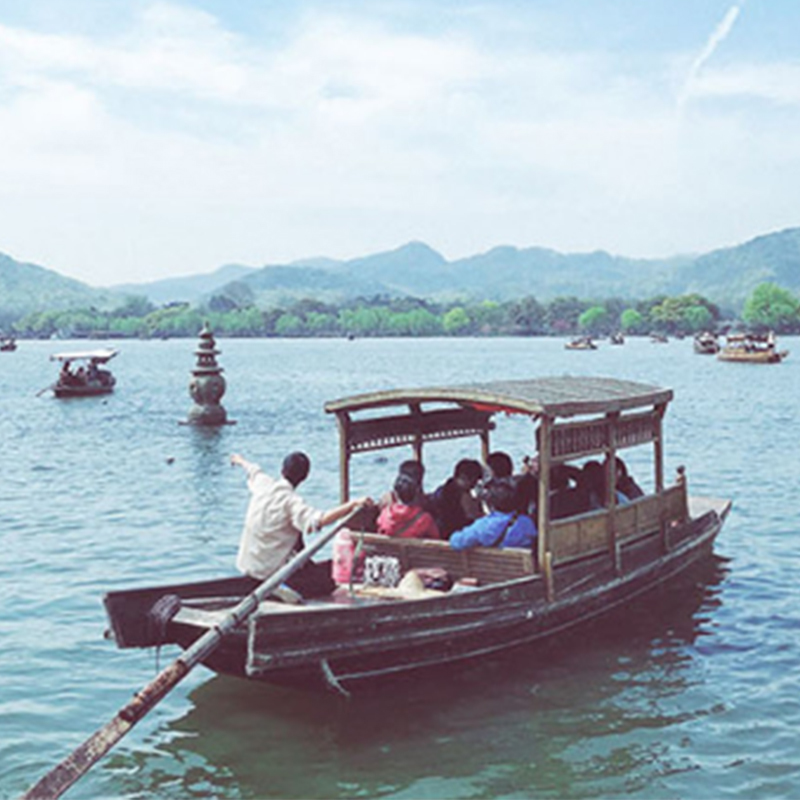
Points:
(718, 36)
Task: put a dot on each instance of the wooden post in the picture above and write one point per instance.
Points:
(611, 490)
(416, 412)
(658, 448)
(543, 544)
(343, 423)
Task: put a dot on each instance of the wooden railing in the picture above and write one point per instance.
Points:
(588, 534)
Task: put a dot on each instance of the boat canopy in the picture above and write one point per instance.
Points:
(552, 397)
(610, 415)
(98, 356)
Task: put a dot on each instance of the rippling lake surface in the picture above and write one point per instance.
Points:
(691, 694)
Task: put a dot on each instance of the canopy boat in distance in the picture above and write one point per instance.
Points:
(581, 343)
(706, 344)
(752, 348)
(584, 563)
(8, 344)
(88, 379)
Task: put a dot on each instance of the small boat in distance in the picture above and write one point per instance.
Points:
(752, 348)
(88, 379)
(658, 338)
(8, 344)
(617, 338)
(706, 344)
(588, 558)
(581, 343)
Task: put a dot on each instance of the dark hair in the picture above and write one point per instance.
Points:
(412, 469)
(501, 495)
(406, 489)
(469, 469)
(296, 467)
(500, 464)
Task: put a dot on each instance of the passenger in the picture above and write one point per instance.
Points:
(416, 471)
(500, 464)
(625, 482)
(453, 502)
(502, 526)
(525, 485)
(66, 377)
(276, 520)
(593, 483)
(567, 495)
(405, 519)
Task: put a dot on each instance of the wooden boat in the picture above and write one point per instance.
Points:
(659, 338)
(89, 378)
(581, 343)
(752, 348)
(706, 344)
(8, 345)
(582, 565)
(617, 338)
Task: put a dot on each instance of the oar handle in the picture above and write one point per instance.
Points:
(78, 763)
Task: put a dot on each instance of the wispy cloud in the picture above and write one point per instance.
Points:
(717, 37)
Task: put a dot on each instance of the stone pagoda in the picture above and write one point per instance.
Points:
(207, 384)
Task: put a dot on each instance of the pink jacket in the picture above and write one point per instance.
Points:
(407, 522)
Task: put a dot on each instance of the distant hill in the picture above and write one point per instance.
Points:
(25, 288)
(726, 276)
(188, 289)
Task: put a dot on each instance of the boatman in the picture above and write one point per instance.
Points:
(276, 519)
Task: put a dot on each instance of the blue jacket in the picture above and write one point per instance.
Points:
(485, 530)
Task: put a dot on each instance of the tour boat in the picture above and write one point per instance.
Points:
(752, 348)
(89, 378)
(581, 343)
(582, 565)
(706, 344)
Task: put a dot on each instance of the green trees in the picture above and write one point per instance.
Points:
(594, 321)
(770, 306)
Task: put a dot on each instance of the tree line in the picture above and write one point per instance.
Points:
(768, 307)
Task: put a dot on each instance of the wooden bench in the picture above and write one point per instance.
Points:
(485, 564)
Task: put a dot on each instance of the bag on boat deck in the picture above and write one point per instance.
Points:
(382, 571)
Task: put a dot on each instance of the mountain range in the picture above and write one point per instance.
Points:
(725, 276)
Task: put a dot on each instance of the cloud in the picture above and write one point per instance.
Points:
(717, 37)
(176, 144)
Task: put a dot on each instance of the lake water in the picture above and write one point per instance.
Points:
(692, 694)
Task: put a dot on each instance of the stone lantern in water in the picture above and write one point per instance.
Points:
(207, 384)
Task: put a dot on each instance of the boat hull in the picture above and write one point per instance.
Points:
(352, 642)
(89, 390)
(759, 357)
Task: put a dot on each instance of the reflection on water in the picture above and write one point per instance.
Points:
(565, 717)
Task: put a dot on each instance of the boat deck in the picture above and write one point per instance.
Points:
(209, 611)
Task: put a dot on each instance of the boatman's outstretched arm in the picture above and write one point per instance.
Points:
(334, 514)
(240, 461)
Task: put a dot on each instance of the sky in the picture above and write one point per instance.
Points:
(147, 140)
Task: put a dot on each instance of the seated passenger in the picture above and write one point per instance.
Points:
(404, 517)
(415, 471)
(453, 502)
(625, 483)
(525, 485)
(593, 482)
(502, 526)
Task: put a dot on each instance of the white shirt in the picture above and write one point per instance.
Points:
(276, 518)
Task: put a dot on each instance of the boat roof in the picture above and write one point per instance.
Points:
(101, 356)
(563, 396)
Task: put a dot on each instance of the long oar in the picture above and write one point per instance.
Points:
(46, 389)
(78, 763)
